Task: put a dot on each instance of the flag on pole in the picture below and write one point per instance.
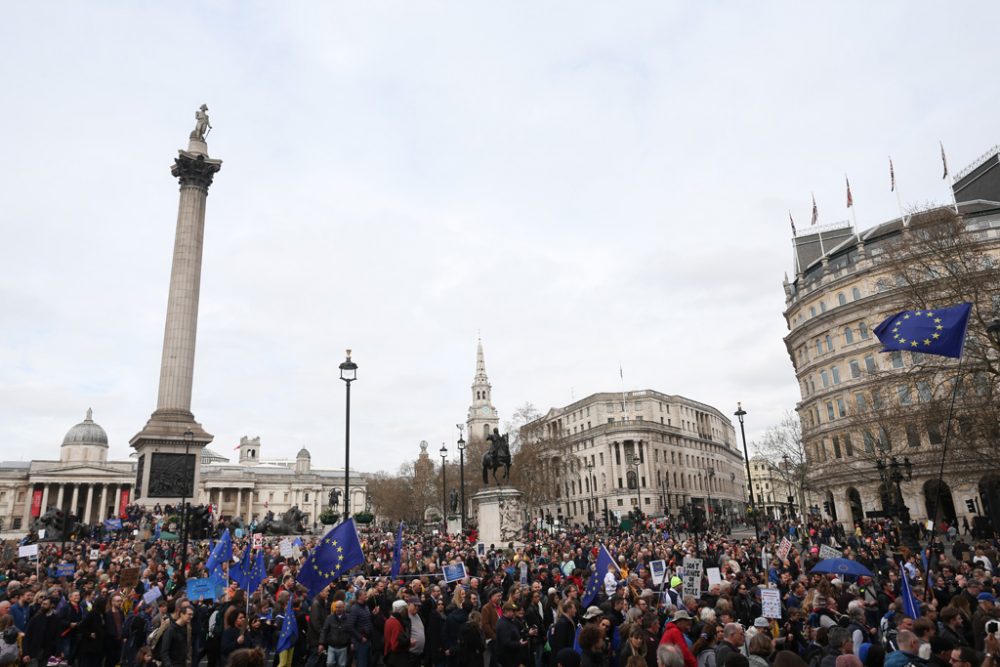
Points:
(397, 553)
(910, 605)
(791, 220)
(289, 630)
(850, 199)
(815, 211)
(338, 552)
(596, 583)
(222, 552)
(938, 331)
(892, 176)
(944, 161)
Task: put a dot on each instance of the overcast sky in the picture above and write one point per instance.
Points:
(586, 184)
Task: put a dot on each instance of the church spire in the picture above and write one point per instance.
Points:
(480, 364)
(482, 415)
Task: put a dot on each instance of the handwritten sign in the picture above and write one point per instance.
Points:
(285, 547)
(828, 552)
(65, 570)
(454, 572)
(692, 584)
(129, 577)
(28, 551)
(714, 576)
(692, 565)
(152, 595)
(770, 602)
(784, 548)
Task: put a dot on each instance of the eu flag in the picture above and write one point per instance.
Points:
(938, 331)
(910, 605)
(289, 629)
(596, 583)
(335, 554)
(397, 553)
(222, 552)
(257, 574)
(241, 572)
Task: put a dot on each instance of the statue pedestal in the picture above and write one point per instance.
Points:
(499, 512)
(454, 524)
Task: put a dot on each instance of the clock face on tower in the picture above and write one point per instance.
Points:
(484, 411)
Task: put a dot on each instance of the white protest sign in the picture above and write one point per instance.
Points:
(714, 576)
(95, 554)
(692, 585)
(828, 552)
(692, 565)
(770, 602)
(258, 540)
(285, 547)
(783, 548)
(151, 595)
(658, 571)
(27, 551)
(41, 533)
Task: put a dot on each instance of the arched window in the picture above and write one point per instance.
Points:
(855, 293)
(848, 335)
(863, 330)
(841, 299)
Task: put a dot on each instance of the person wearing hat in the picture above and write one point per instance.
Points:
(674, 632)
(508, 645)
(396, 645)
(985, 611)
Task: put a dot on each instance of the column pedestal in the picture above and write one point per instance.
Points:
(499, 514)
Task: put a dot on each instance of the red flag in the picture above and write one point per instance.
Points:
(944, 162)
(815, 211)
(791, 220)
(850, 199)
(892, 176)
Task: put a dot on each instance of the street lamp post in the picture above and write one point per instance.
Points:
(740, 414)
(593, 497)
(711, 475)
(348, 373)
(461, 469)
(788, 485)
(444, 486)
(636, 462)
(188, 475)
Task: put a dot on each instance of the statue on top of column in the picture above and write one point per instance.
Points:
(201, 127)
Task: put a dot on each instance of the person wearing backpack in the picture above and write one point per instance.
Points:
(8, 641)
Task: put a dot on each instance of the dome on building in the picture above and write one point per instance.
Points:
(303, 454)
(86, 432)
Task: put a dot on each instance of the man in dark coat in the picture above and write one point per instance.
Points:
(174, 646)
(508, 643)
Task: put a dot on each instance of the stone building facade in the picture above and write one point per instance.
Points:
(840, 292)
(84, 482)
(687, 455)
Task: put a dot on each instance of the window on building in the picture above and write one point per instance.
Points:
(841, 410)
(829, 343)
(836, 374)
(836, 447)
(822, 306)
(924, 392)
(934, 434)
(870, 364)
(897, 359)
(829, 410)
(855, 368)
(848, 447)
(863, 330)
(869, 442)
(841, 299)
(611, 420)
(621, 502)
(819, 346)
(848, 335)
(824, 379)
(855, 293)
(916, 357)
(912, 435)
(812, 311)
(17, 523)
(904, 394)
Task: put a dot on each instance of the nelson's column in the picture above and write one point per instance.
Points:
(170, 444)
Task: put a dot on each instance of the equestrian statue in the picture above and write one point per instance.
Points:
(498, 456)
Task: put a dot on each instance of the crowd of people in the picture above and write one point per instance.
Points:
(120, 598)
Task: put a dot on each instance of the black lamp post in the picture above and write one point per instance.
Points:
(188, 474)
(593, 490)
(740, 414)
(711, 475)
(461, 469)
(788, 484)
(444, 486)
(636, 462)
(892, 473)
(348, 373)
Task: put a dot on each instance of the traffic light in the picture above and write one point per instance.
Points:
(826, 506)
(970, 505)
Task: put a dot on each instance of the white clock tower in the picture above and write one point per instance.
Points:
(483, 417)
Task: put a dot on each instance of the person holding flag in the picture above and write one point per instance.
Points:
(605, 566)
(397, 553)
(288, 636)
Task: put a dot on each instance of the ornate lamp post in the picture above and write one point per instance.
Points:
(593, 495)
(636, 462)
(461, 469)
(188, 477)
(740, 414)
(348, 373)
(710, 471)
(444, 486)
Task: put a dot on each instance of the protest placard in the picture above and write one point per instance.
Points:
(285, 547)
(783, 548)
(65, 569)
(692, 565)
(200, 589)
(714, 576)
(692, 584)
(828, 552)
(658, 570)
(524, 573)
(28, 551)
(95, 554)
(129, 577)
(258, 540)
(151, 595)
(770, 601)
(454, 572)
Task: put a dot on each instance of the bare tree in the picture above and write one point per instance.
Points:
(783, 447)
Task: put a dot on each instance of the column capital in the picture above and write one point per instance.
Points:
(195, 169)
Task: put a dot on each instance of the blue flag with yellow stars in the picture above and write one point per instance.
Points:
(289, 629)
(335, 554)
(596, 583)
(257, 574)
(222, 552)
(397, 553)
(242, 570)
(938, 331)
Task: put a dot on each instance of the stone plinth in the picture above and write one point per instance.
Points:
(499, 512)
(454, 524)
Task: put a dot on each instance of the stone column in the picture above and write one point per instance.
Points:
(249, 505)
(45, 498)
(59, 495)
(104, 503)
(239, 502)
(74, 498)
(118, 498)
(29, 492)
(90, 501)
